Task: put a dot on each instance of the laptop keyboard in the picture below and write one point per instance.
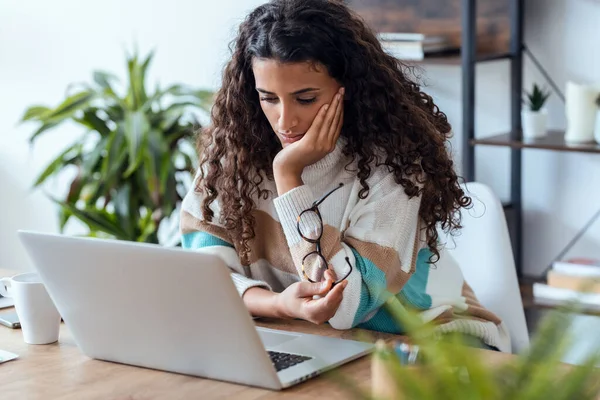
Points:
(285, 360)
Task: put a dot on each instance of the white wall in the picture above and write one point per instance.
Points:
(44, 46)
(561, 190)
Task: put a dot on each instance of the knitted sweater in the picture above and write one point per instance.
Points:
(382, 236)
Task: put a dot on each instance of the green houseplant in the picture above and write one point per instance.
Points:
(534, 115)
(448, 369)
(133, 155)
(536, 99)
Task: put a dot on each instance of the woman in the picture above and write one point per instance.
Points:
(324, 175)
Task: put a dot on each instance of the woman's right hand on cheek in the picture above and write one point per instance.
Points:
(319, 140)
(296, 301)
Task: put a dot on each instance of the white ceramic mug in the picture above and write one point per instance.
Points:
(40, 320)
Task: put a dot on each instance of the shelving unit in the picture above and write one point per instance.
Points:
(471, 54)
(457, 60)
(463, 14)
(554, 141)
(514, 138)
(469, 60)
(492, 34)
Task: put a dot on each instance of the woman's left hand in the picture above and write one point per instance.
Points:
(319, 140)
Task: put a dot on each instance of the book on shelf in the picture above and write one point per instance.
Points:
(399, 36)
(415, 46)
(573, 282)
(574, 278)
(580, 266)
(545, 294)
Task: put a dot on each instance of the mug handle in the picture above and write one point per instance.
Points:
(4, 285)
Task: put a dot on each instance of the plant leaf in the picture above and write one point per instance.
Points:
(121, 202)
(97, 220)
(91, 120)
(63, 217)
(34, 112)
(140, 187)
(91, 161)
(136, 133)
(148, 235)
(142, 76)
(147, 227)
(203, 98)
(42, 129)
(103, 79)
(91, 192)
(68, 107)
(169, 120)
(116, 112)
(168, 185)
(152, 162)
(114, 146)
(59, 163)
(137, 79)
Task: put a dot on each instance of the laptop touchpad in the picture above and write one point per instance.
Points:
(272, 339)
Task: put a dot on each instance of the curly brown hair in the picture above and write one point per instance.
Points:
(386, 114)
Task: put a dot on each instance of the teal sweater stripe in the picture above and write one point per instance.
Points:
(197, 240)
(373, 295)
(382, 322)
(414, 292)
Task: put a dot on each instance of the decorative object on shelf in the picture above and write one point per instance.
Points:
(597, 126)
(534, 115)
(580, 109)
(132, 162)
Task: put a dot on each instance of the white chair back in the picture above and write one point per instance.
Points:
(483, 251)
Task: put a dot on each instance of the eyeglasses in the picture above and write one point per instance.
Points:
(310, 228)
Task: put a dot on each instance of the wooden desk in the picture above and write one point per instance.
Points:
(61, 371)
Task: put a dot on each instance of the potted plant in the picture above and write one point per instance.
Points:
(534, 115)
(448, 369)
(133, 159)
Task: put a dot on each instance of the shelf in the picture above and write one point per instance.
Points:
(493, 57)
(455, 59)
(530, 303)
(554, 141)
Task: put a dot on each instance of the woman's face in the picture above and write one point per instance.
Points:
(291, 94)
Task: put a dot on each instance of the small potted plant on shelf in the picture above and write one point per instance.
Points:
(534, 115)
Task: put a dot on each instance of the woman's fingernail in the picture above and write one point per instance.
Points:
(326, 107)
(342, 90)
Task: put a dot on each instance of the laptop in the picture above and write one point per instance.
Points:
(174, 310)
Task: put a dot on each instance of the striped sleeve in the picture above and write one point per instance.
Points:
(197, 234)
(381, 242)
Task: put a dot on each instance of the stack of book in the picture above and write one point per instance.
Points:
(575, 278)
(415, 46)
